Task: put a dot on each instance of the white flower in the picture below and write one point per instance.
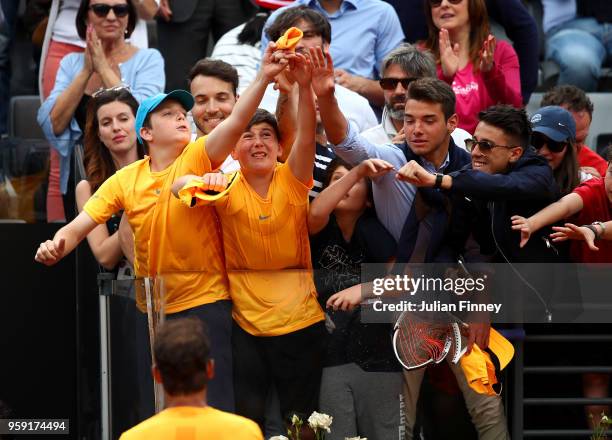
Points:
(278, 437)
(295, 420)
(604, 418)
(320, 421)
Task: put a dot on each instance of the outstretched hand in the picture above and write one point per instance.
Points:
(524, 225)
(216, 182)
(346, 299)
(572, 232)
(449, 54)
(274, 61)
(486, 54)
(50, 252)
(374, 168)
(323, 82)
(300, 69)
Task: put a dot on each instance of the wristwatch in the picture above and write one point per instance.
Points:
(438, 183)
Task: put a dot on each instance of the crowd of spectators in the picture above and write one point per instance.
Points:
(352, 147)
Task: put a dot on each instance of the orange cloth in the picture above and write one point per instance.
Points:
(194, 423)
(478, 367)
(181, 244)
(267, 255)
(289, 39)
(194, 190)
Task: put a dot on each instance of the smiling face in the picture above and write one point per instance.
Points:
(258, 149)
(110, 27)
(168, 126)
(214, 102)
(451, 17)
(426, 128)
(498, 159)
(116, 127)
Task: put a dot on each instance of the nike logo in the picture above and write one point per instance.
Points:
(264, 217)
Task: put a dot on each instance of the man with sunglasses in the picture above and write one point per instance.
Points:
(402, 66)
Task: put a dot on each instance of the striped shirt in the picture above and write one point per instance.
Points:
(323, 156)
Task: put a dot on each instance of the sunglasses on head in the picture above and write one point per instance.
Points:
(102, 91)
(436, 3)
(102, 9)
(391, 83)
(483, 146)
(538, 140)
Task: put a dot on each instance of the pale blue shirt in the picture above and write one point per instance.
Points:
(143, 73)
(363, 33)
(392, 198)
(557, 12)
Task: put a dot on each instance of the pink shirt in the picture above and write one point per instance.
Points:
(478, 91)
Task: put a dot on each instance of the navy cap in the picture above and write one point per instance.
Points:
(151, 103)
(554, 122)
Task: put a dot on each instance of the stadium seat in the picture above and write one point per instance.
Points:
(600, 134)
(22, 117)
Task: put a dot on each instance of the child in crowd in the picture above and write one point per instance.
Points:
(361, 381)
(278, 334)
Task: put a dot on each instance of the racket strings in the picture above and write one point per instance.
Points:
(419, 343)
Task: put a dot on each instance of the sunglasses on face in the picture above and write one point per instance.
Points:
(391, 83)
(483, 146)
(538, 140)
(436, 3)
(102, 9)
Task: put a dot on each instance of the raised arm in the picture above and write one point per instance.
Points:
(223, 138)
(561, 209)
(106, 248)
(286, 112)
(322, 207)
(65, 240)
(301, 158)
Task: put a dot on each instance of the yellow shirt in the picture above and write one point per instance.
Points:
(182, 245)
(267, 256)
(194, 423)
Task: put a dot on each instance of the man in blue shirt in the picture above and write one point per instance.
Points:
(363, 33)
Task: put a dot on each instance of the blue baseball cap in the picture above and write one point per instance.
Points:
(555, 123)
(151, 103)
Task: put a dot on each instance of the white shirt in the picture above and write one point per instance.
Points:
(384, 132)
(354, 106)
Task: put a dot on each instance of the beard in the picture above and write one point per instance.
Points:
(395, 113)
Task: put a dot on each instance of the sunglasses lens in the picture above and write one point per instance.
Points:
(388, 83)
(100, 10)
(121, 10)
(539, 140)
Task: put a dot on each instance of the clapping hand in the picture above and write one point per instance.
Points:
(99, 62)
(486, 54)
(449, 54)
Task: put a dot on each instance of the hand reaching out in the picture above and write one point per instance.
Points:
(374, 168)
(274, 61)
(323, 82)
(572, 232)
(524, 225)
(346, 299)
(414, 173)
(300, 69)
(486, 54)
(449, 54)
(216, 182)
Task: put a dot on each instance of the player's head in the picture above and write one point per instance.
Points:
(182, 357)
(259, 146)
(161, 120)
(214, 85)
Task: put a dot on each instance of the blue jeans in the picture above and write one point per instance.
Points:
(580, 47)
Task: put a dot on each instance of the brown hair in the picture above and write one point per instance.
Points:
(567, 174)
(181, 353)
(216, 69)
(435, 91)
(290, 16)
(97, 159)
(574, 98)
(479, 31)
(81, 19)
(262, 116)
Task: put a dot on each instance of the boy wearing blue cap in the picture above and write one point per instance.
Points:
(171, 240)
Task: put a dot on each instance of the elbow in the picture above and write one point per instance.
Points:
(107, 263)
(55, 126)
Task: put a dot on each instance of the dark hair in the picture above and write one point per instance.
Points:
(181, 353)
(573, 97)
(262, 116)
(567, 174)
(513, 121)
(609, 154)
(479, 30)
(97, 159)
(434, 91)
(217, 69)
(81, 19)
(337, 163)
(251, 32)
(290, 16)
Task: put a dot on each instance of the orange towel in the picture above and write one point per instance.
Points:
(289, 39)
(193, 191)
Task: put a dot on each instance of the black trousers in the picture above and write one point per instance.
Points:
(293, 362)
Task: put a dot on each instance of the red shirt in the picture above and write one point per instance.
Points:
(596, 208)
(589, 158)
